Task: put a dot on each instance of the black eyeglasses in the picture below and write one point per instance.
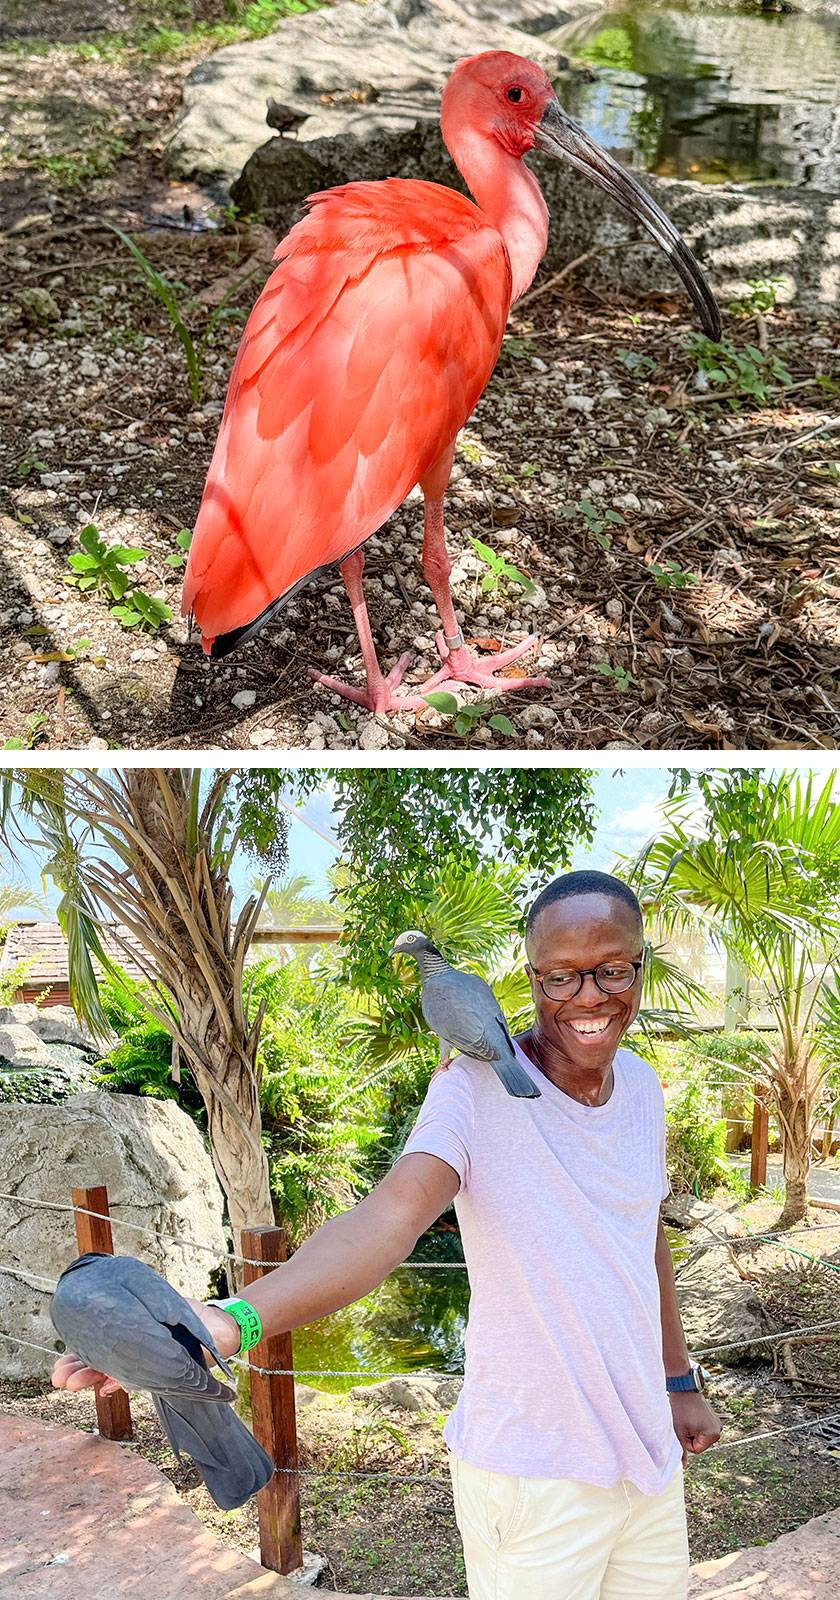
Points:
(612, 977)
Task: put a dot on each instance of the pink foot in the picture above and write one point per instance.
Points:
(380, 696)
(462, 666)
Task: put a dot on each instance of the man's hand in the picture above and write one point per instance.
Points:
(695, 1423)
(70, 1371)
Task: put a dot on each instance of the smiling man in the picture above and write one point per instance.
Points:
(579, 1404)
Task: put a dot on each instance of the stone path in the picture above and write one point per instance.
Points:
(84, 1519)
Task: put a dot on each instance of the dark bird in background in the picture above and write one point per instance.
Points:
(122, 1318)
(284, 118)
(465, 1014)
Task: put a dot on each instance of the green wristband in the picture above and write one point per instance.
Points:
(247, 1318)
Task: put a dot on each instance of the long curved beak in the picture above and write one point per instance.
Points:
(559, 135)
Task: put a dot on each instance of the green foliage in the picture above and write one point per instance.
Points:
(749, 372)
(595, 519)
(102, 566)
(164, 291)
(141, 1061)
(468, 717)
(695, 1142)
(499, 569)
(516, 347)
(183, 540)
(671, 576)
(762, 295)
(33, 723)
(611, 47)
(318, 1115)
(636, 362)
(142, 611)
(615, 673)
(399, 828)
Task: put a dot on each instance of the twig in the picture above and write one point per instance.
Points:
(790, 444)
(551, 283)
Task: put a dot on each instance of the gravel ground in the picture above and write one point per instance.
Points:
(706, 617)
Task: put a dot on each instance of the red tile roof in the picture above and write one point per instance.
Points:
(44, 949)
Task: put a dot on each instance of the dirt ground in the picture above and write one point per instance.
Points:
(707, 616)
(401, 1538)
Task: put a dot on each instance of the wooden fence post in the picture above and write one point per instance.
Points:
(113, 1413)
(273, 1417)
(760, 1134)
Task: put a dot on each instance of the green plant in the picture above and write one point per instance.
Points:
(30, 464)
(141, 1061)
(595, 520)
(468, 717)
(499, 569)
(749, 373)
(617, 675)
(164, 291)
(33, 724)
(142, 611)
(762, 295)
(516, 347)
(183, 540)
(635, 361)
(695, 1142)
(671, 576)
(101, 566)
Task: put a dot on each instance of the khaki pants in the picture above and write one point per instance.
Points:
(559, 1539)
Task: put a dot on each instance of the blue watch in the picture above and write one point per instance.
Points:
(694, 1379)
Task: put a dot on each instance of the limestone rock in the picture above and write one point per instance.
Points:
(718, 1307)
(348, 70)
(686, 1211)
(20, 1047)
(60, 1025)
(408, 1393)
(152, 1159)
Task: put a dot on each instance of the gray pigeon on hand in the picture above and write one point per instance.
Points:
(464, 1013)
(122, 1318)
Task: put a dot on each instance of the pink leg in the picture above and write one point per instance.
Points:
(378, 695)
(458, 662)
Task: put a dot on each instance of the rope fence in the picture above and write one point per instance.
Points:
(272, 1386)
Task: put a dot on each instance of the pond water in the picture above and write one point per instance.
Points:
(416, 1319)
(716, 95)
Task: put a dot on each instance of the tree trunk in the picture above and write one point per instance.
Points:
(796, 1148)
(173, 907)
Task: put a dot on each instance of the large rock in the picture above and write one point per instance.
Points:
(738, 234)
(152, 1159)
(411, 1392)
(356, 70)
(21, 1047)
(718, 1307)
(60, 1025)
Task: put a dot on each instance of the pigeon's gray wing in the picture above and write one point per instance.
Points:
(463, 1010)
(123, 1319)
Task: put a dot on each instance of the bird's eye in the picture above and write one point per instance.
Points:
(514, 94)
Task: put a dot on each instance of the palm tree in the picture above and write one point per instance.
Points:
(146, 854)
(760, 870)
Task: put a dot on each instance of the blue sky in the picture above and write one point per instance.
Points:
(626, 803)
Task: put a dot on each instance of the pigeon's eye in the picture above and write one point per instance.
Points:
(514, 94)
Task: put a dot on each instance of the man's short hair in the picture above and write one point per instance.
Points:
(578, 883)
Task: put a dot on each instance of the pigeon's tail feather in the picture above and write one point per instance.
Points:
(514, 1077)
(231, 1462)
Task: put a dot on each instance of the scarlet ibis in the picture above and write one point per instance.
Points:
(367, 351)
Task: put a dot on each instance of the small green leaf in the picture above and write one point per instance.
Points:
(502, 724)
(441, 700)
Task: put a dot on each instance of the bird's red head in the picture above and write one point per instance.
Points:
(499, 94)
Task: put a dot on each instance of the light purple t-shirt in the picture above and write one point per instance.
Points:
(558, 1210)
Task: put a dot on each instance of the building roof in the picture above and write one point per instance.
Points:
(43, 947)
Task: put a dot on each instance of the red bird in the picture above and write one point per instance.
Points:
(367, 351)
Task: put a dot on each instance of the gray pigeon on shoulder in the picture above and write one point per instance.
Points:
(122, 1318)
(465, 1014)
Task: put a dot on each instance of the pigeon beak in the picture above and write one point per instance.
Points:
(558, 134)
